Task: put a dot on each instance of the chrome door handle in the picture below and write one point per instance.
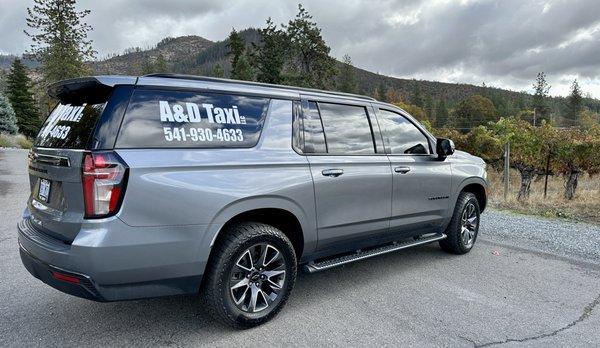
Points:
(332, 172)
(402, 170)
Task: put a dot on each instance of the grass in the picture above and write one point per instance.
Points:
(18, 141)
(584, 207)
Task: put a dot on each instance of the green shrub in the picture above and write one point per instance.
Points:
(23, 142)
(4, 141)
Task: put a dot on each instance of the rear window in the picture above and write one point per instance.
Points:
(69, 126)
(176, 119)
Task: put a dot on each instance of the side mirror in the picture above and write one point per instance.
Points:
(444, 147)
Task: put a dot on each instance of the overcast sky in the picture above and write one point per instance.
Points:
(503, 43)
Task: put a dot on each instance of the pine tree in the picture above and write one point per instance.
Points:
(160, 66)
(20, 96)
(59, 38)
(270, 55)
(575, 103)
(382, 92)
(218, 71)
(240, 65)
(539, 105)
(311, 65)
(347, 77)
(442, 114)
(417, 98)
(8, 120)
(429, 108)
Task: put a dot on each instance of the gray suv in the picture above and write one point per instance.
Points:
(166, 184)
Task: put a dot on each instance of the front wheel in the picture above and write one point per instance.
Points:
(251, 275)
(464, 226)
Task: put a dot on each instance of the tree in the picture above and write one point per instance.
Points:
(8, 120)
(529, 147)
(270, 55)
(240, 65)
(417, 97)
(442, 114)
(574, 103)
(59, 38)
(347, 77)
(21, 98)
(310, 65)
(574, 153)
(413, 110)
(539, 104)
(429, 108)
(218, 71)
(473, 111)
(382, 92)
(160, 66)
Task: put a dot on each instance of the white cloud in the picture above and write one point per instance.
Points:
(502, 42)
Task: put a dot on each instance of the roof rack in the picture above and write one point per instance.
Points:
(251, 83)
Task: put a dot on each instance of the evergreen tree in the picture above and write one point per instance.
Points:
(473, 111)
(539, 104)
(8, 120)
(59, 38)
(442, 114)
(21, 98)
(382, 92)
(575, 103)
(218, 71)
(417, 98)
(311, 65)
(347, 78)
(429, 108)
(240, 65)
(270, 56)
(160, 66)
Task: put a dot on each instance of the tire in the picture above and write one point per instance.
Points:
(456, 242)
(236, 289)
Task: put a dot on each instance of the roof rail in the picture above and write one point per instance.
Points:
(251, 83)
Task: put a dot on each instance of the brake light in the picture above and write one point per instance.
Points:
(103, 177)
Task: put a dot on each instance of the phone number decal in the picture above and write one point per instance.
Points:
(202, 134)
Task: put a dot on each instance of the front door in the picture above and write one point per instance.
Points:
(352, 181)
(421, 182)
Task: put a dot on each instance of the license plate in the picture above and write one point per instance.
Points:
(44, 192)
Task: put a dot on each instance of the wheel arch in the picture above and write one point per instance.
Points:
(478, 187)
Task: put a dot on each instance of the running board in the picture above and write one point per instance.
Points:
(313, 267)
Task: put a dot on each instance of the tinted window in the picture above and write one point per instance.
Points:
(400, 136)
(314, 138)
(69, 126)
(189, 119)
(347, 129)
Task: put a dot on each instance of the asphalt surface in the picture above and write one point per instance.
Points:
(528, 282)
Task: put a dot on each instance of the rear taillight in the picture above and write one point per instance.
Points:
(103, 177)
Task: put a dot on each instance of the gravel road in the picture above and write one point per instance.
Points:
(529, 282)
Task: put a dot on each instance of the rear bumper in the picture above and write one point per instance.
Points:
(108, 268)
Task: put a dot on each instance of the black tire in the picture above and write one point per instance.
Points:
(454, 242)
(228, 252)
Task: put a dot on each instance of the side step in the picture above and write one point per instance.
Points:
(313, 267)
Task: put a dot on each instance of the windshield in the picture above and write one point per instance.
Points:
(69, 126)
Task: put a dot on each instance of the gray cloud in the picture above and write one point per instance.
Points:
(500, 42)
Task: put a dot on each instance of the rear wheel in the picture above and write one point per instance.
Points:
(251, 275)
(464, 226)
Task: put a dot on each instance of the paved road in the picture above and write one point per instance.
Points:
(498, 294)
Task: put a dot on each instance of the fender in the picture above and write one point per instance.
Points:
(237, 207)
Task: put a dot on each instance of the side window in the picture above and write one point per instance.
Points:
(176, 119)
(347, 129)
(400, 136)
(314, 138)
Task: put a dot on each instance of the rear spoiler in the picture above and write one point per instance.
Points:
(92, 90)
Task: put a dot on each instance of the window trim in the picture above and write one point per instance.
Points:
(369, 111)
(417, 125)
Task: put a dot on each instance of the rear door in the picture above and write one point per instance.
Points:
(352, 177)
(422, 182)
(56, 200)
